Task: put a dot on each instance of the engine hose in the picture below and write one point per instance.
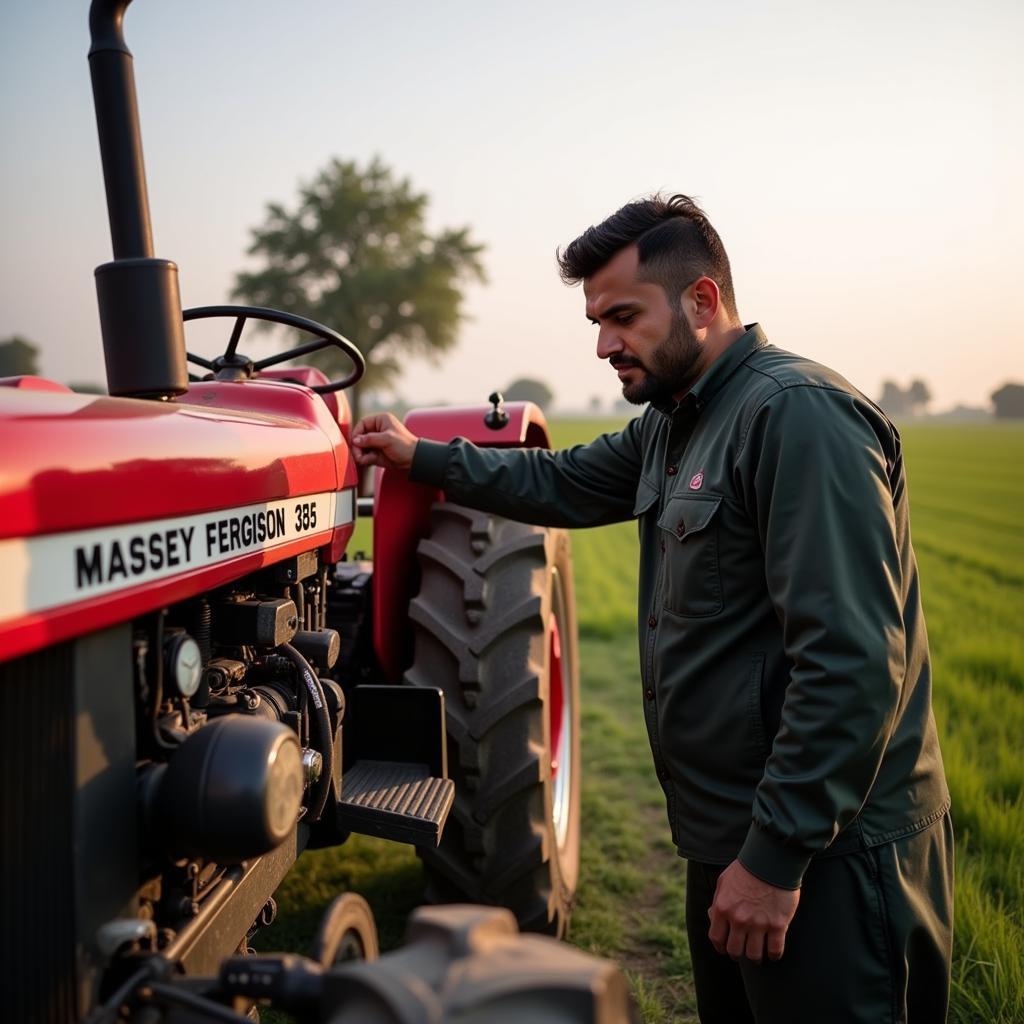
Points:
(157, 682)
(111, 1009)
(318, 712)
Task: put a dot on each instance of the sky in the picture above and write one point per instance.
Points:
(862, 163)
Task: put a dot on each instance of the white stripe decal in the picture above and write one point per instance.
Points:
(55, 569)
(345, 507)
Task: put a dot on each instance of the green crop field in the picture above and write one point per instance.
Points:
(967, 515)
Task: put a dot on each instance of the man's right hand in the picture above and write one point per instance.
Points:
(381, 440)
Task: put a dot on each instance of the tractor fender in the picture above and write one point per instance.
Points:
(401, 515)
(526, 426)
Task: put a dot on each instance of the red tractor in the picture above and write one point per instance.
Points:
(197, 683)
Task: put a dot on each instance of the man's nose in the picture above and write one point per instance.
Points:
(608, 343)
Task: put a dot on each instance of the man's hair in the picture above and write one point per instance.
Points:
(675, 241)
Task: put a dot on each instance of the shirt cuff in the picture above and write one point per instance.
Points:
(429, 463)
(771, 861)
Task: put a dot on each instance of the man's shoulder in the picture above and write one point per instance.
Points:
(800, 394)
(771, 370)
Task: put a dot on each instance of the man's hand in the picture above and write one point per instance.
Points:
(750, 917)
(381, 440)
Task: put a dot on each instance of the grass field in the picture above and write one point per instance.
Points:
(967, 508)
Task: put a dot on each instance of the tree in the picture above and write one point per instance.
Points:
(918, 397)
(893, 399)
(18, 357)
(525, 389)
(1009, 402)
(909, 401)
(355, 254)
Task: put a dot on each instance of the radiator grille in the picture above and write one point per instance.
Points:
(37, 952)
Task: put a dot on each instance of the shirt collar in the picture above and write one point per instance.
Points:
(719, 372)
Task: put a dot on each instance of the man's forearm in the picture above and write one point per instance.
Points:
(590, 485)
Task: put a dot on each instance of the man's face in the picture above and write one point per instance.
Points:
(648, 343)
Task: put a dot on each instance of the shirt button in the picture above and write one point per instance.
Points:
(680, 529)
(649, 694)
(663, 544)
(672, 470)
(652, 622)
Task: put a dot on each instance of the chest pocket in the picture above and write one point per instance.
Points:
(692, 580)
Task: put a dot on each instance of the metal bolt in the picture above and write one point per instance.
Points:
(312, 764)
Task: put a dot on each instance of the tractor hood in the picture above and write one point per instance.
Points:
(73, 461)
(106, 500)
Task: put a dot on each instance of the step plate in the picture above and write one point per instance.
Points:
(396, 801)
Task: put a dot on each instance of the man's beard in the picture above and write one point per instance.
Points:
(673, 366)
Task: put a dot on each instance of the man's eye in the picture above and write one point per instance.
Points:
(626, 318)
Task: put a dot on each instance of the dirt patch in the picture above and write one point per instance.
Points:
(652, 962)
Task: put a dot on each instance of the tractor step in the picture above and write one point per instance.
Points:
(396, 801)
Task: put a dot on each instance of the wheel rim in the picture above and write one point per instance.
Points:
(560, 717)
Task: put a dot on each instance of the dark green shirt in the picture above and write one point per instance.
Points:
(784, 659)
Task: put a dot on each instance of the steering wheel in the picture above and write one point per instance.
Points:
(232, 365)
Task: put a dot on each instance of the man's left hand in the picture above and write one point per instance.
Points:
(750, 917)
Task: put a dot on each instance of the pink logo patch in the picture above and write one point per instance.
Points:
(697, 480)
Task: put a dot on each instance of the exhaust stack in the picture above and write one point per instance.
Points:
(139, 302)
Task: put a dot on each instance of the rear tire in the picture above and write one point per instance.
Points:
(495, 628)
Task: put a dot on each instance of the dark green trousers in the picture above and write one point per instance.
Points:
(871, 942)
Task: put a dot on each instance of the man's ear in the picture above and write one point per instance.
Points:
(703, 300)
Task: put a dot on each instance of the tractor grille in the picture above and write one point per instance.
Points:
(37, 964)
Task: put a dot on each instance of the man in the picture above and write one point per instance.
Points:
(787, 684)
